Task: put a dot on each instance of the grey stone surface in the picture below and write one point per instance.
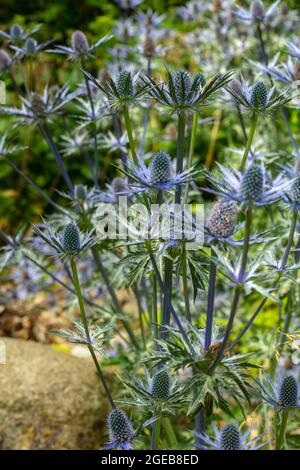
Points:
(49, 399)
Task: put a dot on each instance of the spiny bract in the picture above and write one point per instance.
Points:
(259, 96)
(79, 42)
(288, 394)
(230, 438)
(124, 84)
(252, 185)
(119, 426)
(160, 167)
(160, 387)
(71, 239)
(222, 219)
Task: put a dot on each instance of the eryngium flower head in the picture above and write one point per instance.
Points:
(80, 192)
(230, 438)
(253, 181)
(68, 242)
(80, 43)
(71, 239)
(284, 395)
(122, 91)
(16, 32)
(119, 186)
(31, 46)
(257, 10)
(5, 61)
(259, 96)
(160, 167)
(37, 104)
(288, 393)
(120, 429)
(256, 98)
(222, 219)
(183, 92)
(160, 387)
(295, 191)
(124, 84)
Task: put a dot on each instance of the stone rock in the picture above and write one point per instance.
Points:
(49, 399)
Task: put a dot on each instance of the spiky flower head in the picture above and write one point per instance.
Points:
(257, 10)
(182, 85)
(5, 61)
(160, 167)
(30, 46)
(16, 32)
(80, 192)
(71, 239)
(295, 191)
(230, 437)
(259, 96)
(160, 387)
(119, 185)
(120, 427)
(200, 78)
(80, 43)
(124, 84)
(222, 219)
(252, 184)
(288, 393)
(37, 104)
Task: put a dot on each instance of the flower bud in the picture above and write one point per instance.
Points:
(119, 185)
(288, 394)
(80, 43)
(257, 10)
(222, 219)
(259, 96)
(252, 185)
(16, 31)
(71, 239)
(37, 104)
(30, 46)
(230, 438)
(124, 84)
(160, 168)
(160, 387)
(119, 425)
(80, 192)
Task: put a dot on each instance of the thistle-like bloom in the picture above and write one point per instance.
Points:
(249, 187)
(41, 107)
(221, 223)
(286, 73)
(17, 33)
(5, 61)
(192, 10)
(29, 49)
(124, 90)
(69, 242)
(80, 48)
(160, 391)
(121, 430)
(183, 92)
(292, 196)
(157, 176)
(230, 438)
(257, 12)
(283, 396)
(257, 98)
(113, 143)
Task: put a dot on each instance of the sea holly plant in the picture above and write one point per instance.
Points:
(146, 135)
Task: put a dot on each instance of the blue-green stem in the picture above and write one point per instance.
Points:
(278, 277)
(210, 304)
(86, 329)
(191, 150)
(156, 429)
(185, 284)
(129, 134)
(280, 437)
(238, 288)
(249, 141)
